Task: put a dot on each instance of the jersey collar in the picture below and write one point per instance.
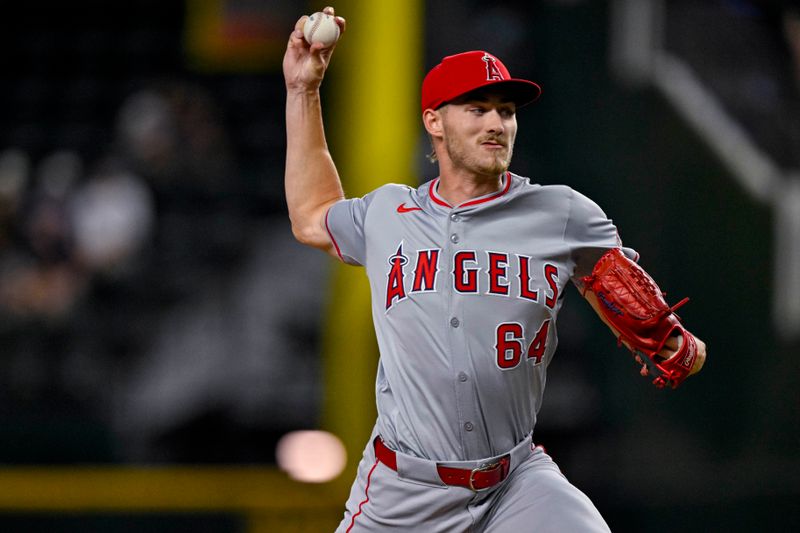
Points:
(434, 186)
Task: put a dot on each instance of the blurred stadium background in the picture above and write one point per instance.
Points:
(160, 332)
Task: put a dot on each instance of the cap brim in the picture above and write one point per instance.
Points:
(521, 92)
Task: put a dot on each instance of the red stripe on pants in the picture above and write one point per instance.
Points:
(366, 497)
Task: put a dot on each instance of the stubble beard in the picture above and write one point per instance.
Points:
(477, 160)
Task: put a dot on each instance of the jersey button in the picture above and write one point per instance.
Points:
(454, 238)
(468, 426)
(455, 322)
(455, 218)
(462, 376)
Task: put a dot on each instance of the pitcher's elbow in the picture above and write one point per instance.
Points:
(306, 234)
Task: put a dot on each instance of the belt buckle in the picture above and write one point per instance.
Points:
(483, 468)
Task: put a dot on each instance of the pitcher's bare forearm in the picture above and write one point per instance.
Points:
(312, 182)
(311, 179)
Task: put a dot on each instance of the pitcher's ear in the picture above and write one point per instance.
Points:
(432, 119)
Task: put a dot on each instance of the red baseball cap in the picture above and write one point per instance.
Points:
(461, 73)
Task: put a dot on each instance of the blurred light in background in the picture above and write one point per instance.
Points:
(311, 456)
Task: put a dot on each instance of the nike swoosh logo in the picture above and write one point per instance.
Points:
(403, 209)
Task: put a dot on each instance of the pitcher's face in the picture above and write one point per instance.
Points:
(479, 133)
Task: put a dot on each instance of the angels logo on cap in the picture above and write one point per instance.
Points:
(492, 72)
(459, 74)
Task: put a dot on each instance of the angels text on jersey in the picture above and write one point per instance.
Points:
(473, 272)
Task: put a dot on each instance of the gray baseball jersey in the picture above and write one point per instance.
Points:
(464, 301)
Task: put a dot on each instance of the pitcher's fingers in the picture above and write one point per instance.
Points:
(316, 48)
(671, 346)
(342, 24)
(296, 38)
(339, 20)
(674, 343)
(300, 24)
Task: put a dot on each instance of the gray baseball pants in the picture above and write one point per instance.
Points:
(535, 497)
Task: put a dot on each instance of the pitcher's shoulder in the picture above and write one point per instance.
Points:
(525, 186)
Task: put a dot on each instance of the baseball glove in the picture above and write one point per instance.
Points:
(635, 307)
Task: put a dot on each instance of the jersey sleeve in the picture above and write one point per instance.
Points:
(589, 233)
(345, 224)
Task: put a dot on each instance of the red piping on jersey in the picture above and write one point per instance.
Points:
(432, 194)
(333, 240)
(366, 497)
(498, 194)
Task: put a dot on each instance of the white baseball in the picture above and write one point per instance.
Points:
(321, 28)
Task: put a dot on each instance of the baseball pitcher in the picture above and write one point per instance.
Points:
(467, 274)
